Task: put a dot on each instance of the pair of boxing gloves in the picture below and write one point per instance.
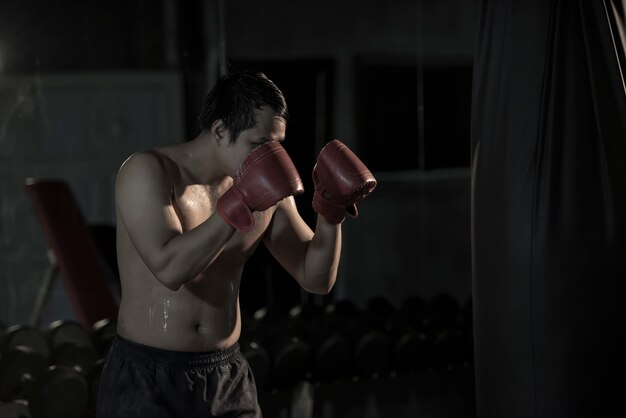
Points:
(268, 175)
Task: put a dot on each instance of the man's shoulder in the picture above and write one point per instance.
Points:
(147, 167)
(148, 162)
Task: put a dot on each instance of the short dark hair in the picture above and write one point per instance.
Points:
(234, 98)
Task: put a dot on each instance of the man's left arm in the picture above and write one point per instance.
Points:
(312, 258)
(341, 180)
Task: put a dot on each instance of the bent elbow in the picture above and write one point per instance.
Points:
(174, 288)
(321, 292)
(322, 288)
(173, 281)
(173, 285)
(167, 276)
(326, 290)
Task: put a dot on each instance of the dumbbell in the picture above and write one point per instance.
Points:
(14, 409)
(71, 346)
(440, 321)
(290, 351)
(289, 355)
(363, 334)
(25, 335)
(417, 312)
(410, 352)
(93, 382)
(325, 334)
(60, 392)
(447, 349)
(444, 313)
(23, 357)
(252, 346)
(332, 346)
(361, 344)
(258, 360)
(407, 328)
(102, 335)
(373, 351)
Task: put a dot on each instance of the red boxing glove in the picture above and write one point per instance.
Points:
(340, 180)
(265, 177)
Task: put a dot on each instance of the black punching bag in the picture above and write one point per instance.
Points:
(549, 209)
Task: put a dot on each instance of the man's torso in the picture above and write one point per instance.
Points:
(204, 314)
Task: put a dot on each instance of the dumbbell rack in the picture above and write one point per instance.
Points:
(52, 372)
(399, 361)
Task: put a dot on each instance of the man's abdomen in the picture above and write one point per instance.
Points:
(204, 316)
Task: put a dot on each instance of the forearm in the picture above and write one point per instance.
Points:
(189, 254)
(322, 257)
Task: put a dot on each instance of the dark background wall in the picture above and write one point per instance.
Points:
(392, 80)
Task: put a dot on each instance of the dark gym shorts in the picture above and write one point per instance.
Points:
(142, 381)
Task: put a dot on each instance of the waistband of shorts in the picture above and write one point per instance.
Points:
(179, 358)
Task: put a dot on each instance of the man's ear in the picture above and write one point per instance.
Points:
(219, 131)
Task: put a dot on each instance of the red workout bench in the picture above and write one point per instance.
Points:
(72, 252)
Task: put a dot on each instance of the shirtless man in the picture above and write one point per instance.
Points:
(189, 215)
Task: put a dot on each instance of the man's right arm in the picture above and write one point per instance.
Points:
(143, 199)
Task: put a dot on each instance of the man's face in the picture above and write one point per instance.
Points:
(269, 127)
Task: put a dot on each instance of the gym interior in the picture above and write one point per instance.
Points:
(483, 277)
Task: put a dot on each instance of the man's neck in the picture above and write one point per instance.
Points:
(197, 160)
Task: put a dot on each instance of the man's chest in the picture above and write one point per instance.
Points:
(193, 205)
(196, 204)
